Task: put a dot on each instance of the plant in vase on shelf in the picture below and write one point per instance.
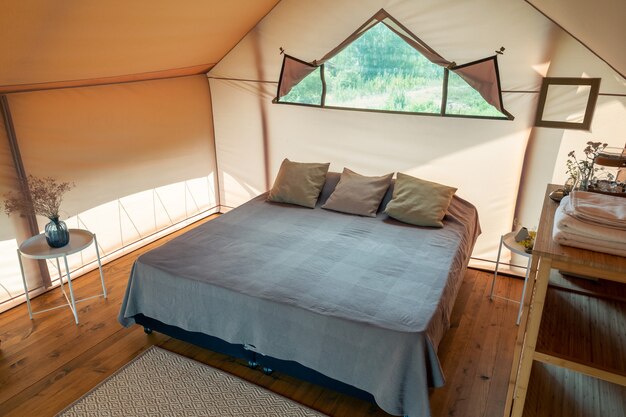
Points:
(583, 171)
(41, 196)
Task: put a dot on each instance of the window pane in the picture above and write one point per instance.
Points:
(381, 71)
(464, 100)
(307, 91)
(566, 103)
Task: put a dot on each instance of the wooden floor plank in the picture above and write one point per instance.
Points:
(74, 378)
(64, 343)
(554, 391)
(462, 347)
(589, 329)
(504, 348)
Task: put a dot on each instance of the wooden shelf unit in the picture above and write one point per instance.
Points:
(529, 348)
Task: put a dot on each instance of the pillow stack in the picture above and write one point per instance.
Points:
(414, 201)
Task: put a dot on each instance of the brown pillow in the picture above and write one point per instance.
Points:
(298, 183)
(357, 194)
(419, 202)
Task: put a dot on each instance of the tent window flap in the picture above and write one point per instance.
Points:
(383, 66)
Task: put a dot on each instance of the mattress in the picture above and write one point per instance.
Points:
(362, 300)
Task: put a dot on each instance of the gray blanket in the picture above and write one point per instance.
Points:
(363, 300)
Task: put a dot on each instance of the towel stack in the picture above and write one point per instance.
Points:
(592, 221)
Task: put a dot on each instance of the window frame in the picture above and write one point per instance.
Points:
(446, 73)
(593, 83)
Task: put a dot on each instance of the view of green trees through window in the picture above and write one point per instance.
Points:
(381, 71)
(307, 91)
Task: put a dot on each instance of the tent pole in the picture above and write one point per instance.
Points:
(218, 190)
(22, 179)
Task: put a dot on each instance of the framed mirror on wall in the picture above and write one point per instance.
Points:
(567, 103)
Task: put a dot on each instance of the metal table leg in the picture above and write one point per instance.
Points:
(30, 310)
(521, 303)
(495, 273)
(69, 284)
(104, 290)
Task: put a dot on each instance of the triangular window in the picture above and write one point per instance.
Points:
(384, 67)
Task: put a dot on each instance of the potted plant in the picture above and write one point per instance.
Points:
(41, 196)
(583, 171)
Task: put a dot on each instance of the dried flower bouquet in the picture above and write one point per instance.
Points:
(44, 200)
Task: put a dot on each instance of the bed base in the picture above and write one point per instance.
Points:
(264, 363)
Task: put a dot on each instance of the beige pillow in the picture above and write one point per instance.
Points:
(357, 194)
(298, 183)
(419, 202)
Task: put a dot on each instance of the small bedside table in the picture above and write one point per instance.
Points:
(36, 247)
(508, 241)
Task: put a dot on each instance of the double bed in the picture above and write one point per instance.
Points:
(361, 301)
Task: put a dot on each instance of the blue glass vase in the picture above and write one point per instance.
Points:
(56, 232)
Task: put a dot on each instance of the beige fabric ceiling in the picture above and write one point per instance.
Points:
(599, 25)
(46, 41)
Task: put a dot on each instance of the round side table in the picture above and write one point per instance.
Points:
(36, 247)
(508, 241)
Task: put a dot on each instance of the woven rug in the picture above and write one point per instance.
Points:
(162, 383)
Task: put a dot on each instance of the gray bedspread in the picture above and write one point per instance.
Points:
(363, 300)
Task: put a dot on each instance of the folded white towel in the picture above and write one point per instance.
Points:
(573, 225)
(597, 208)
(569, 239)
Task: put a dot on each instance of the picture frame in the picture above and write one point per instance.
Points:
(579, 94)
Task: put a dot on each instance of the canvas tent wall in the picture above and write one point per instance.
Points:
(141, 155)
(485, 159)
(134, 146)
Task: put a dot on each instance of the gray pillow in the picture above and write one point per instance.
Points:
(298, 183)
(419, 202)
(357, 194)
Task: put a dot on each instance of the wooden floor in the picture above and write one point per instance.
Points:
(47, 363)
